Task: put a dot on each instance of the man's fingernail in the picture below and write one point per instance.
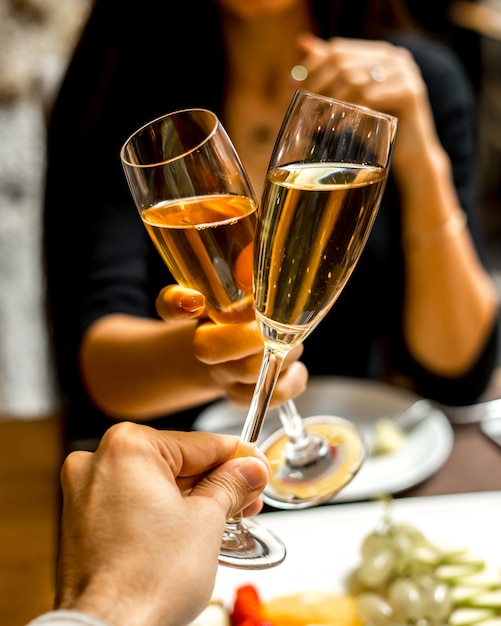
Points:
(192, 303)
(251, 473)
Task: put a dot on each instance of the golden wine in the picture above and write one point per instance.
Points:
(318, 220)
(207, 243)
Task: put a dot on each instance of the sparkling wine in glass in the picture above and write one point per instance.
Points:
(196, 203)
(324, 184)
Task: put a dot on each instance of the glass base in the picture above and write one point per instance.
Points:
(296, 485)
(248, 545)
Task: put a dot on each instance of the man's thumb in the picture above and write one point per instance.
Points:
(237, 485)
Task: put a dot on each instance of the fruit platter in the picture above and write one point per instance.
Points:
(432, 561)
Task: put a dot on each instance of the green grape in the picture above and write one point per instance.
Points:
(416, 537)
(377, 569)
(403, 544)
(373, 609)
(404, 596)
(373, 543)
(437, 602)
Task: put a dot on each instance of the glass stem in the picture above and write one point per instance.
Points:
(292, 422)
(271, 366)
(301, 449)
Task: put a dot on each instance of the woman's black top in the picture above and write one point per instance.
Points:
(131, 67)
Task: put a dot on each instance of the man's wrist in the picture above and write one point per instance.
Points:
(67, 617)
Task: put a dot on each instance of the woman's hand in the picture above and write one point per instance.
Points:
(232, 352)
(379, 75)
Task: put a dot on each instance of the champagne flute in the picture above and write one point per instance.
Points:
(325, 182)
(196, 203)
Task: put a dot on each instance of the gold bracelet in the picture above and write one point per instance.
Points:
(452, 228)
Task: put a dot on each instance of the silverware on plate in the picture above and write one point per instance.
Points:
(413, 415)
(469, 414)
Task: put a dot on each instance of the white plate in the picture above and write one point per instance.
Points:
(426, 447)
(323, 543)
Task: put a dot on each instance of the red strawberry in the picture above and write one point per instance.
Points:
(248, 608)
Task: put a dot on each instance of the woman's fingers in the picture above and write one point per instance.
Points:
(176, 304)
(374, 73)
(215, 343)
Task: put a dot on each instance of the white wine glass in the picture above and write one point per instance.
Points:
(196, 203)
(323, 189)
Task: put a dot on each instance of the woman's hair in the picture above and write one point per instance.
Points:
(363, 19)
